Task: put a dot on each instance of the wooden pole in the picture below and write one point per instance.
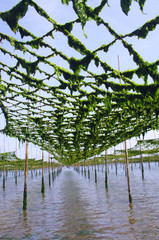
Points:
(141, 161)
(4, 144)
(119, 66)
(88, 170)
(84, 168)
(26, 176)
(95, 170)
(106, 170)
(4, 172)
(16, 175)
(49, 171)
(16, 148)
(131, 157)
(43, 185)
(128, 175)
(53, 174)
(26, 167)
(4, 176)
(126, 153)
(116, 168)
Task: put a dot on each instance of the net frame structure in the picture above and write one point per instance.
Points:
(70, 109)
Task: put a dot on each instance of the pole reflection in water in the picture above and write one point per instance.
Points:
(75, 207)
(132, 220)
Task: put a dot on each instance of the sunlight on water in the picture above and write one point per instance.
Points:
(75, 207)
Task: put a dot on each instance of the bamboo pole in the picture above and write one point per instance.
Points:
(128, 175)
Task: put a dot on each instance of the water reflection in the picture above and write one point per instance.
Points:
(75, 207)
(131, 218)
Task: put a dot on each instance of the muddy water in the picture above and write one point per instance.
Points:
(75, 207)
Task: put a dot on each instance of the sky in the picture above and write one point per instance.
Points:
(96, 36)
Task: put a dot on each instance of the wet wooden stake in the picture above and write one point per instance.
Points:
(149, 161)
(4, 144)
(88, 170)
(131, 158)
(43, 185)
(116, 168)
(25, 179)
(95, 169)
(141, 161)
(49, 171)
(26, 166)
(4, 176)
(98, 166)
(16, 175)
(4, 172)
(126, 153)
(128, 176)
(53, 174)
(84, 170)
(31, 173)
(106, 170)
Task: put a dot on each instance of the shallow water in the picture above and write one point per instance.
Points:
(75, 207)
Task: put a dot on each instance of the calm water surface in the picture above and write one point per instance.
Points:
(75, 207)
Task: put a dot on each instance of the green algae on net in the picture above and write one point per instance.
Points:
(85, 112)
(11, 161)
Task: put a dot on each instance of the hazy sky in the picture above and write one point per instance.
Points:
(96, 36)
